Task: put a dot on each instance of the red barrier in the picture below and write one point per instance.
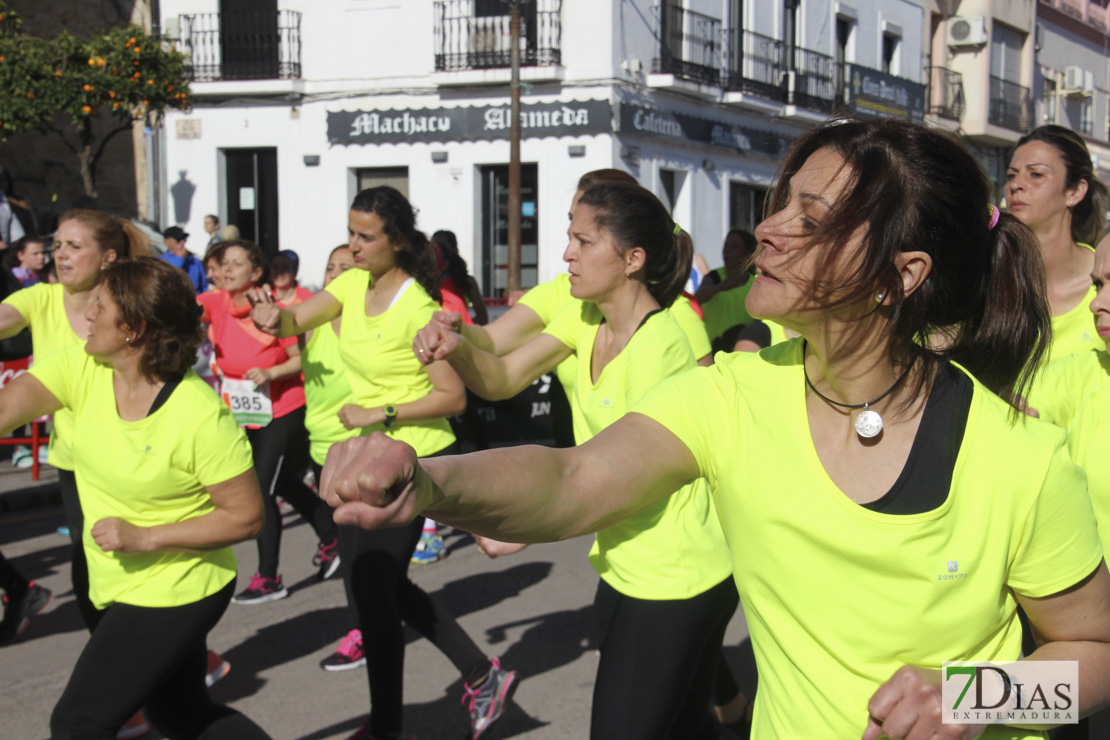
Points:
(9, 371)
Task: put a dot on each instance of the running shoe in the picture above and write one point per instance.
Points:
(18, 611)
(260, 590)
(488, 701)
(217, 668)
(327, 559)
(135, 727)
(348, 654)
(429, 549)
(22, 457)
(363, 733)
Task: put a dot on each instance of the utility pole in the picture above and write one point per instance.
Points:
(514, 147)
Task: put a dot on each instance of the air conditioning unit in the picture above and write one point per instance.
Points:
(967, 31)
(1078, 82)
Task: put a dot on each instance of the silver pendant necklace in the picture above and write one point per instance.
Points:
(868, 423)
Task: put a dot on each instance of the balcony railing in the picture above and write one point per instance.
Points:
(1009, 105)
(755, 64)
(690, 45)
(263, 45)
(476, 34)
(946, 93)
(817, 80)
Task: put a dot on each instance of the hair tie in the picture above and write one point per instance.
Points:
(677, 229)
(994, 212)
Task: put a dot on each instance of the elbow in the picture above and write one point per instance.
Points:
(457, 406)
(253, 528)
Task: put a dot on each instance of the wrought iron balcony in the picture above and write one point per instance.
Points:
(263, 45)
(476, 34)
(1009, 105)
(690, 45)
(755, 64)
(946, 93)
(818, 81)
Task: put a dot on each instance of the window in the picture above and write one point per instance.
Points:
(891, 45)
(845, 31)
(1006, 46)
(1049, 101)
(1086, 118)
(395, 177)
(745, 206)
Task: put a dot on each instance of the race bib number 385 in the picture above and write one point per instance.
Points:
(249, 405)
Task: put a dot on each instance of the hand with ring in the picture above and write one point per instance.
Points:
(435, 342)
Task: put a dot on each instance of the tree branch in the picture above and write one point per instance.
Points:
(107, 138)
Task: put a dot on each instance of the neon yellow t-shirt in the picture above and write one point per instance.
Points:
(837, 596)
(326, 391)
(1074, 393)
(381, 367)
(726, 309)
(148, 472)
(1074, 331)
(675, 549)
(547, 300)
(692, 326)
(42, 307)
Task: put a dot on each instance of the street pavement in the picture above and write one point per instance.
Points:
(532, 609)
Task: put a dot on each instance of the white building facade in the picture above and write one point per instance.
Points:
(298, 107)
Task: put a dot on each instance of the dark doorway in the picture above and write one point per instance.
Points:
(252, 195)
(495, 228)
(249, 39)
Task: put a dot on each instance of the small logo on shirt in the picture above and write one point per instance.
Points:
(148, 451)
(953, 573)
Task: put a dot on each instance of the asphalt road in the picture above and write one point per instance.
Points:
(532, 609)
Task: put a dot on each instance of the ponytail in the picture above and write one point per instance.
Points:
(634, 217)
(1088, 217)
(668, 278)
(1006, 344)
(119, 235)
(418, 260)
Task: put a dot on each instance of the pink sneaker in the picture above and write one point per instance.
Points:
(347, 655)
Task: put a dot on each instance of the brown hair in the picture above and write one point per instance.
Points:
(913, 189)
(634, 217)
(254, 254)
(116, 234)
(597, 177)
(159, 302)
(1088, 216)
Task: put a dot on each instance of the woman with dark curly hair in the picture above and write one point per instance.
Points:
(260, 378)
(167, 488)
(392, 294)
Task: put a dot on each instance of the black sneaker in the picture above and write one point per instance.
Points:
(18, 612)
(327, 559)
(347, 655)
(260, 590)
(488, 701)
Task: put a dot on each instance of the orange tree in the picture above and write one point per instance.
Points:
(87, 90)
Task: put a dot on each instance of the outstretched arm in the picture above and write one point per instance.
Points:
(297, 319)
(515, 494)
(511, 330)
(491, 377)
(11, 321)
(24, 399)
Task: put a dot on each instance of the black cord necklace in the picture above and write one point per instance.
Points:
(868, 424)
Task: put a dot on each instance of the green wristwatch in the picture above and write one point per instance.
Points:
(390, 412)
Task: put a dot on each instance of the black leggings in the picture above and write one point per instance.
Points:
(79, 567)
(658, 664)
(153, 658)
(280, 452)
(386, 600)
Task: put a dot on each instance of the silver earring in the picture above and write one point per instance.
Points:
(127, 339)
(879, 298)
